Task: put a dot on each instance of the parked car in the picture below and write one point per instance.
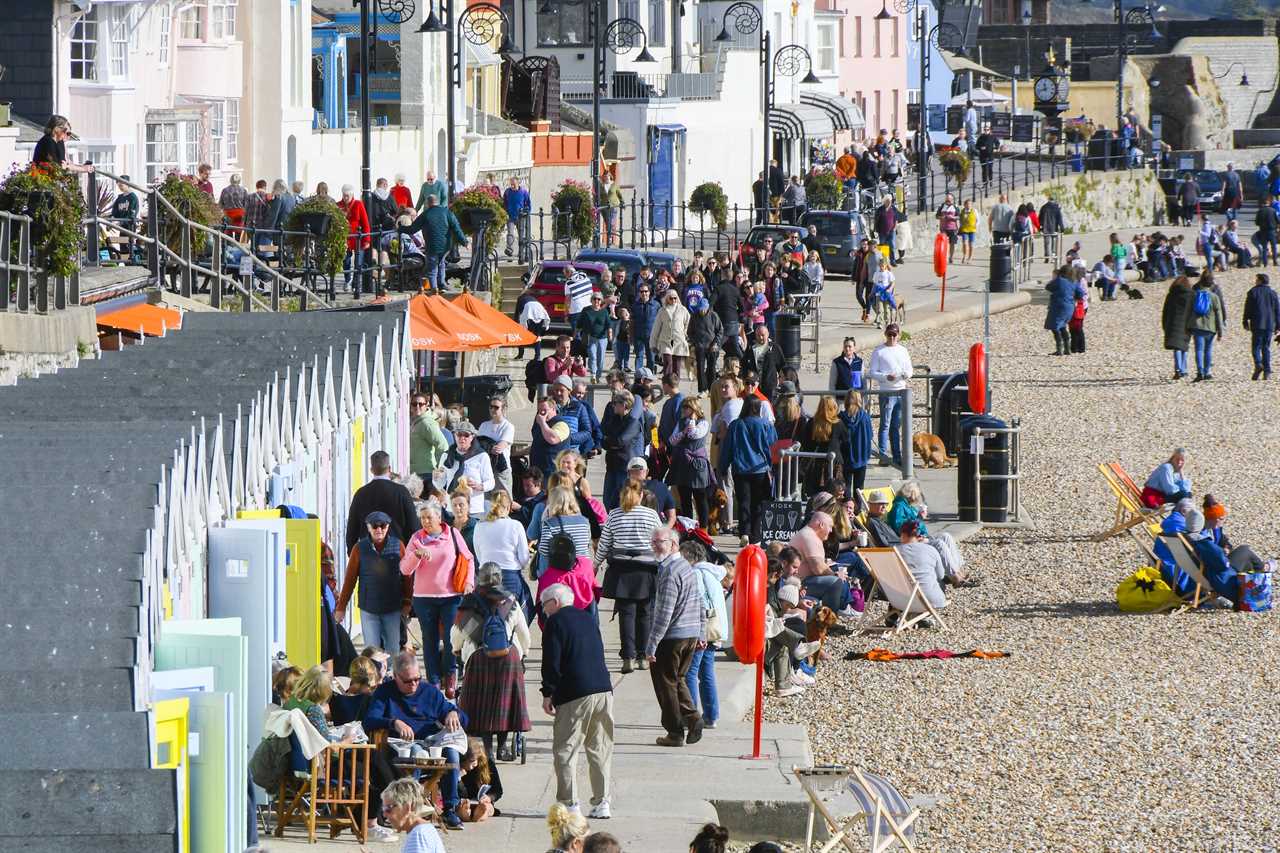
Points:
(630, 260)
(759, 233)
(839, 232)
(1211, 186)
(1209, 182)
(548, 285)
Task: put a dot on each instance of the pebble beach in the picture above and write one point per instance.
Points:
(1102, 730)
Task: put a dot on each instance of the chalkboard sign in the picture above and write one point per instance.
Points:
(913, 117)
(955, 119)
(780, 520)
(1002, 125)
(937, 118)
(1024, 128)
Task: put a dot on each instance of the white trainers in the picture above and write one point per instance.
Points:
(600, 811)
(790, 690)
(382, 833)
(850, 613)
(803, 650)
(574, 808)
(803, 679)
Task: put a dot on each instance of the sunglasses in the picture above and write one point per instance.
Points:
(378, 526)
(418, 404)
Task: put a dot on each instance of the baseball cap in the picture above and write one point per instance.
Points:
(637, 462)
(645, 373)
(564, 380)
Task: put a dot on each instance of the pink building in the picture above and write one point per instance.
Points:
(871, 56)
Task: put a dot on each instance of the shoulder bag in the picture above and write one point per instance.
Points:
(461, 566)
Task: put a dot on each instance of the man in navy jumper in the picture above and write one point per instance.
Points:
(412, 708)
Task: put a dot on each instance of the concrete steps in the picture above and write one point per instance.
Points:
(101, 689)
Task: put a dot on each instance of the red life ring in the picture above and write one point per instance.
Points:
(940, 249)
(978, 379)
(749, 580)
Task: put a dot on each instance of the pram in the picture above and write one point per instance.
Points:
(690, 532)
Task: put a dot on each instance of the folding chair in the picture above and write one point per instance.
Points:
(1185, 558)
(888, 817)
(890, 574)
(1130, 512)
(332, 789)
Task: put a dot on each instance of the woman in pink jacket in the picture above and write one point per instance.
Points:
(566, 567)
(429, 558)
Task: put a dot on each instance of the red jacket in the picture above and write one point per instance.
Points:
(357, 222)
(402, 196)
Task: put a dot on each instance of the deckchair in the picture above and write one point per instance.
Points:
(1130, 511)
(865, 499)
(891, 575)
(889, 818)
(1185, 558)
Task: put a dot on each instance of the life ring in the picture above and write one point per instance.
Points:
(749, 580)
(940, 248)
(978, 379)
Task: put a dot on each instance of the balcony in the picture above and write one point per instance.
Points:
(629, 86)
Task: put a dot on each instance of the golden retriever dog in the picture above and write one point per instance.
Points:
(931, 450)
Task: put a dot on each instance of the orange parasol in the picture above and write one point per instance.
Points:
(434, 324)
(499, 324)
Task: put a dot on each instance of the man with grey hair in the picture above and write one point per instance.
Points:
(577, 692)
(678, 629)
(441, 231)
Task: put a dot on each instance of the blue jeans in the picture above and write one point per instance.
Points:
(1180, 361)
(595, 355)
(644, 358)
(1262, 349)
(891, 427)
(701, 681)
(381, 630)
(1263, 240)
(431, 612)
(613, 483)
(434, 271)
(828, 589)
(621, 354)
(1204, 352)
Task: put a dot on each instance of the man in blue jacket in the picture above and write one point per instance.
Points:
(644, 311)
(412, 708)
(1261, 319)
(515, 199)
(746, 450)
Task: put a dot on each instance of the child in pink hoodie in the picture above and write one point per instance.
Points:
(566, 567)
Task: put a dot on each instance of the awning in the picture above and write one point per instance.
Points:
(800, 121)
(479, 55)
(494, 320)
(435, 324)
(142, 319)
(964, 63)
(844, 114)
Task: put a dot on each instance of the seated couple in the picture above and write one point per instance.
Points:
(908, 505)
(1220, 559)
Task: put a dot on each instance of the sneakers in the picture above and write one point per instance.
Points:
(452, 820)
(789, 690)
(642, 663)
(802, 680)
(803, 650)
(600, 811)
(628, 666)
(380, 833)
(849, 613)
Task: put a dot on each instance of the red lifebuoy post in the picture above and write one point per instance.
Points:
(749, 580)
(940, 248)
(978, 379)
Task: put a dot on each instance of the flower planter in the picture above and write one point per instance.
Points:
(475, 219)
(316, 223)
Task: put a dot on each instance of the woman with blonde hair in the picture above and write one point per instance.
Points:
(501, 539)
(568, 829)
(562, 515)
(631, 576)
(403, 805)
(851, 439)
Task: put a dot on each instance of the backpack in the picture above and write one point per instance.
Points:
(535, 374)
(270, 762)
(1145, 591)
(1203, 304)
(494, 637)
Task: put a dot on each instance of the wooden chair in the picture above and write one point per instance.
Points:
(891, 575)
(1187, 561)
(1130, 511)
(430, 770)
(332, 789)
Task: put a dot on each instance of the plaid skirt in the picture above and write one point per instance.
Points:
(492, 694)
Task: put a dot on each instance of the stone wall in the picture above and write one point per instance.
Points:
(31, 344)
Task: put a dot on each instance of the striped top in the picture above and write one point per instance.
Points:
(574, 526)
(627, 531)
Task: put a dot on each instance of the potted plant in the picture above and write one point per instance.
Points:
(955, 164)
(191, 203)
(51, 196)
(710, 198)
(321, 218)
(572, 204)
(823, 190)
(477, 210)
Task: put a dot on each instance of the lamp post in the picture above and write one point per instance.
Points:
(1244, 75)
(619, 36)
(396, 12)
(478, 25)
(789, 61)
(946, 37)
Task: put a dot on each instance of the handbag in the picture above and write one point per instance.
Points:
(1255, 591)
(461, 566)
(715, 632)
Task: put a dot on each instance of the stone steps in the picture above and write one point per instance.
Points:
(99, 689)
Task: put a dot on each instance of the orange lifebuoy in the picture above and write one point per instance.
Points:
(940, 249)
(978, 379)
(749, 580)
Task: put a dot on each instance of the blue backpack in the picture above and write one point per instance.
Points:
(1204, 303)
(494, 636)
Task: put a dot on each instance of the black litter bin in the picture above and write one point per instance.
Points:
(994, 459)
(1099, 148)
(949, 393)
(1001, 271)
(788, 329)
(474, 395)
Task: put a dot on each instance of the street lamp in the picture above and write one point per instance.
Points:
(478, 24)
(395, 12)
(946, 37)
(788, 62)
(1244, 75)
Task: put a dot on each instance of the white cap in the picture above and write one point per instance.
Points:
(790, 594)
(637, 462)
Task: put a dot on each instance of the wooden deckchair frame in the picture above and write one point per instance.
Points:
(1130, 513)
(877, 560)
(840, 830)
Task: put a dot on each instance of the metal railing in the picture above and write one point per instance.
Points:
(631, 86)
(788, 481)
(26, 284)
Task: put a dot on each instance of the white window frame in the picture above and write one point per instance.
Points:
(118, 27)
(824, 53)
(191, 23)
(160, 160)
(84, 34)
(103, 159)
(231, 117)
(217, 132)
(222, 20)
(165, 36)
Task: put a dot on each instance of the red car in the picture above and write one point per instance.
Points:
(548, 285)
(759, 233)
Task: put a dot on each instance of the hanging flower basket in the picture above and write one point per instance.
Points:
(51, 196)
(476, 208)
(710, 198)
(823, 190)
(322, 218)
(191, 203)
(572, 206)
(955, 164)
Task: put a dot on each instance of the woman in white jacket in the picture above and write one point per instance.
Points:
(701, 678)
(466, 462)
(670, 335)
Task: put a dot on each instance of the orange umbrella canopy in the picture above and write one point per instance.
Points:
(434, 324)
(512, 333)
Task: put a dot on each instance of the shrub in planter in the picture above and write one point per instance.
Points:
(476, 207)
(710, 198)
(573, 197)
(955, 164)
(51, 196)
(190, 202)
(823, 191)
(309, 217)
